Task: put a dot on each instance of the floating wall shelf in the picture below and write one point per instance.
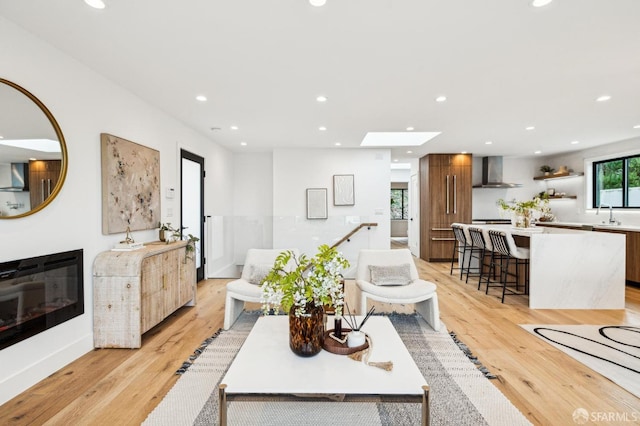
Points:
(558, 176)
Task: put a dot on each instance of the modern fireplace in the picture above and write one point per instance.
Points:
(39, 293)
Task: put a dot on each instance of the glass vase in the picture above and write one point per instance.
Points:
(524, 219)
(306, 331)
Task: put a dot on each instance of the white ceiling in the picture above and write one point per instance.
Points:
(502, 64)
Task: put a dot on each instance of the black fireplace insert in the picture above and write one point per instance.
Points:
(39, 293)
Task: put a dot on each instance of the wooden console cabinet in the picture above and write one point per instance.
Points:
(135, 290)
(445, 198)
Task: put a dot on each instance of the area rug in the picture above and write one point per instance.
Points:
(460, 394)
(613, 351)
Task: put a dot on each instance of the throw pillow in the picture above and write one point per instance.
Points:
(391, 275)
(257, 273)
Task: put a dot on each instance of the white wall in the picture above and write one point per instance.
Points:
(580, 210)
(522, 170)
(85, 105)
(514, 170)
(253, 205)
(296, 170)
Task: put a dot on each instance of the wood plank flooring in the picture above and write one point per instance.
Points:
(121, 386)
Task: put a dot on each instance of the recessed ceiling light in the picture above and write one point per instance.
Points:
(488, 143)
(322, 128)
(317, 3)
(1, 137)
(529, 128)
(540, 3)
(395, 160)
(575, 142)
(637, 126)
(321, 98)
(441, 98)
(410, 129)
(243, 143)
(234, 127)
(409, 152)
(538, 152)
(603, 98)
(338, 144)
(201, 98)
(96, 4)
(463, 152)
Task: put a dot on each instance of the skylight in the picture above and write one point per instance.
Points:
(397, 138)
(43, 145)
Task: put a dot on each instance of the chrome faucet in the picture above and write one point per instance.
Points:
(611, 218)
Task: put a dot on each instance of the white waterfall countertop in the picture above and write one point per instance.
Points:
(573, 269)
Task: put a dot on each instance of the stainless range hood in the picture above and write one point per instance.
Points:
(19, 178)
(492, 174)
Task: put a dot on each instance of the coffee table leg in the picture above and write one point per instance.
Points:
(222, 404)
(425, 406)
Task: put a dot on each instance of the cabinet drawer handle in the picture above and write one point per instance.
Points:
(455, 194)
(441, 229)
(447, 194)
(442, 239)
(128, 285)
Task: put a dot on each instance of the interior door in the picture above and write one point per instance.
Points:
(414, 216)
(192, 204)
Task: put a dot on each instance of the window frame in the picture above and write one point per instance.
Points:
(625, 181)
(404, 207)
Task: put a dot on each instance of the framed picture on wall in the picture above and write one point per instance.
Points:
(316, 203)
(343, 191)
(130, 185)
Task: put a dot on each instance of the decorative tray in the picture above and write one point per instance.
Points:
(333, 346)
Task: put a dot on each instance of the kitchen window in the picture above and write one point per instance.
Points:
(616, 182)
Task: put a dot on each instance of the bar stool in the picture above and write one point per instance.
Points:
(504, 245)
(482, 248)
(461, 248)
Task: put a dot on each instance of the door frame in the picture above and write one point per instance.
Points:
(184, 154)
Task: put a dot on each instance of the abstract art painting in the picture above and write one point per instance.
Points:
(130, 185)
(316, 203)
(343, 191)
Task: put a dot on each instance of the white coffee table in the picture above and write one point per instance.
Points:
(265, 367)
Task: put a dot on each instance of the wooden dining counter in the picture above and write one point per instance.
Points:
(572, 269)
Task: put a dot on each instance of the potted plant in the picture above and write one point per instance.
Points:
(165, 236)
(546, 170)
(301, 286)
(190, 249)
(523, 211)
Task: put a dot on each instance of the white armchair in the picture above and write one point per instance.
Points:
(247, 288)
(408, 287)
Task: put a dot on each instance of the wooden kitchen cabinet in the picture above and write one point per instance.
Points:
(445, 198)
(43, 178)
(135, 290)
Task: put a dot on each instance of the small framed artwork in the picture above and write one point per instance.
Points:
(551, 192)
(343, 191)
(316, 203)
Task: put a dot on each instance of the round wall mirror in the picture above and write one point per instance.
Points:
(33, 154)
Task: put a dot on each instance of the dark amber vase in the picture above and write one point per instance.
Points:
(306, 332)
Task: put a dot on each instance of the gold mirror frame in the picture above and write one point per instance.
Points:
(63, 150)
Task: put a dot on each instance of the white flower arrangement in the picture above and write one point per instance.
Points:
(316, 280)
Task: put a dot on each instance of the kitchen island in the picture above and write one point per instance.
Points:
(573, 269)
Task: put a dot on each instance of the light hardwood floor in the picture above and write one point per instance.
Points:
(121, 386)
